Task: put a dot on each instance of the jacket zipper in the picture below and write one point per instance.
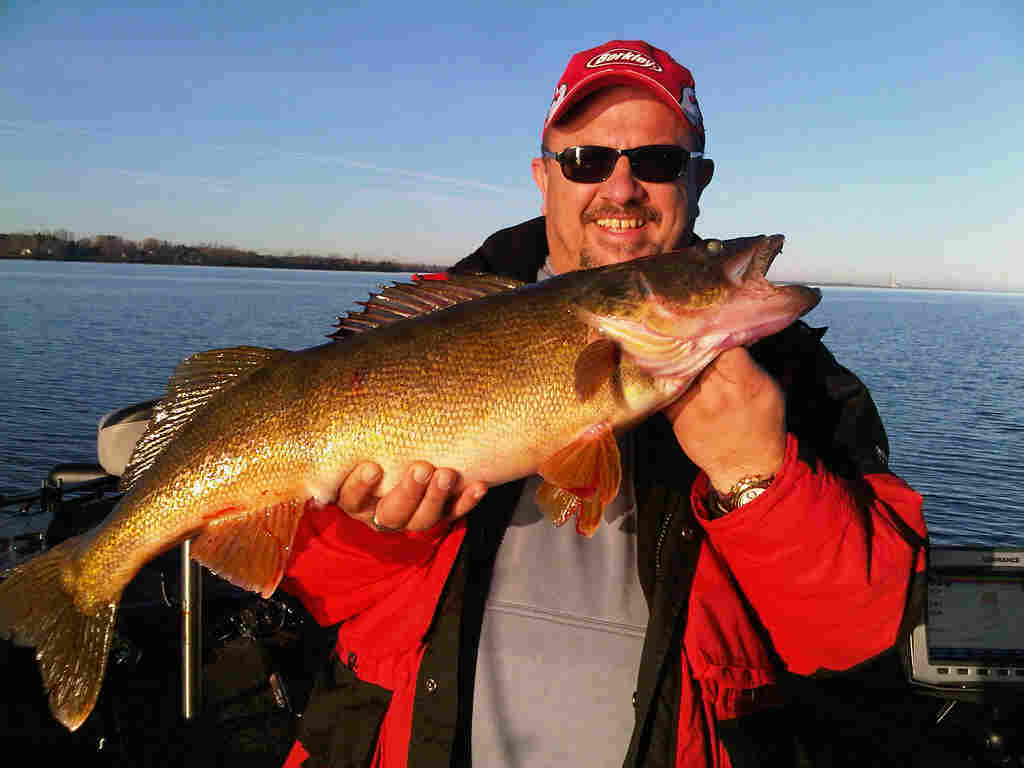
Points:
(661, 542)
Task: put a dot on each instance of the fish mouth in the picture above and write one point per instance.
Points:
(803, 302)
(747, 258)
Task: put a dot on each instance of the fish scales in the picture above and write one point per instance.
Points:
(373, 397)
(524, 381)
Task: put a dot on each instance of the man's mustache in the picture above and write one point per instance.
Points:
(642, 212)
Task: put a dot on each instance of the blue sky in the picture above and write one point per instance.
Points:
(878, 137)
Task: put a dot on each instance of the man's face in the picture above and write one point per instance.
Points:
(620, 218)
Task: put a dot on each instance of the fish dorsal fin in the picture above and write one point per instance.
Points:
(194, 382)
(250, 548)
(582, 478)
(426, 294)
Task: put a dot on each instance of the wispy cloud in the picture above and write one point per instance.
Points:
(25, 128)
(383, 169)
(469, 183)
(165, 179)
(13, 127)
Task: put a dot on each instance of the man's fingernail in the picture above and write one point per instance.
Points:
(445, 480)
(420, 474)
(369, 474)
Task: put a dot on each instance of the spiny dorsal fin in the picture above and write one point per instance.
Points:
(194, 382)
(426, 294)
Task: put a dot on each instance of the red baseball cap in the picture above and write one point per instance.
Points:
(627, 62)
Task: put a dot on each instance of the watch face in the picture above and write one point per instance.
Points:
(748, 496)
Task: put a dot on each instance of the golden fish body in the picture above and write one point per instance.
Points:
(518, 382)
(292, 430)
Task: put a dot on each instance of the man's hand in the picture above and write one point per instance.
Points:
(423, 497)
(731, 422)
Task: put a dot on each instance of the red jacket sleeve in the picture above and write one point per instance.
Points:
(340, 567)
(825, 564)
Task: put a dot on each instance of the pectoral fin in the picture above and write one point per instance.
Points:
(594, 366)
(581, 479)
(250, 548)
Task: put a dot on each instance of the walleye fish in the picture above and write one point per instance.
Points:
(522, 380)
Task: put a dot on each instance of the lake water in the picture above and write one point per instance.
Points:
(78, 340)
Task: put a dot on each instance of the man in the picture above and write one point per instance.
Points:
(758, 532)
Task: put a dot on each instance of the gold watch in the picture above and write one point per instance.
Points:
(743, 491)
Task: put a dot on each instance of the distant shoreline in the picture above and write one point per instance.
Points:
(111, 249)
(272, 262)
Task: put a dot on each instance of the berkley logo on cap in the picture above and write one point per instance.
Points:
(623, 56)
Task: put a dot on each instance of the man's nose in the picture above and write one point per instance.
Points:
(622, 186)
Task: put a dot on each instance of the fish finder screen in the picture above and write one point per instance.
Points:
(976, 618)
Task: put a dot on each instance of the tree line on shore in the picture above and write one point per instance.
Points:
(61, 245)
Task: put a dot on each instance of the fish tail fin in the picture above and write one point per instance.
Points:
(72, 645)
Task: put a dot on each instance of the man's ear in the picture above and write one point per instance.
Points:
(695, 183)
(540, 177)
(705, 171)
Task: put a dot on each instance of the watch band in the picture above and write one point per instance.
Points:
(743, 491)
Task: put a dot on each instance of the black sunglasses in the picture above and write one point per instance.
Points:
(654, 163)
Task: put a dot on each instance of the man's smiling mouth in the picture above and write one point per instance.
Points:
(619, 225)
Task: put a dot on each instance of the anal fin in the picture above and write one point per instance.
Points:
(581, 479)
(250, 548)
